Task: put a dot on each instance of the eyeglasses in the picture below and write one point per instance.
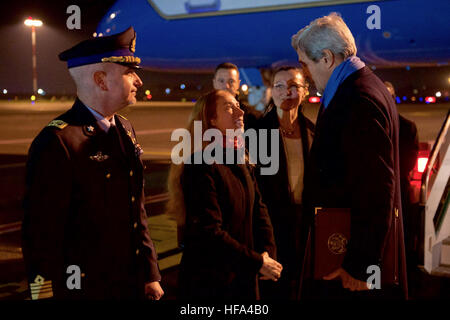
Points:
(292, 87)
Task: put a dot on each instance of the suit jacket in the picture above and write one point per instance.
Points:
(354, 164)
(84, 206)
(275, 190)
(227, 229)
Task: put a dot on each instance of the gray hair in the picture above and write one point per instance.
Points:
(82, 75)
(329, 32)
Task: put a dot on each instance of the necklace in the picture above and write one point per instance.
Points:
(287, 132)
(291, 131)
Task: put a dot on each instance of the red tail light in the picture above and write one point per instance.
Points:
(314, 99)
(430, 100)
(421, 164)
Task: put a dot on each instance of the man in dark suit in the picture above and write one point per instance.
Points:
(354, 161)
(85, 230)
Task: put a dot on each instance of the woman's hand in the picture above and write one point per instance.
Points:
(271, 269)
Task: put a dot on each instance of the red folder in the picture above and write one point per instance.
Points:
(332, 233)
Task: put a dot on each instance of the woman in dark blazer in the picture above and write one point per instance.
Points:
(227, 233)
(282, 192)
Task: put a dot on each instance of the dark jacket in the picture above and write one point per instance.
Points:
(84, 206)
(251, 115)
(409, 149)
(284, 213)
(354, 164)
(227, 230)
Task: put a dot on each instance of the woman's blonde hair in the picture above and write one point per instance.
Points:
(204, 110)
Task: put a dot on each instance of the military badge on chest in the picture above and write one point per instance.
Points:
(137, 147)
(99, 157)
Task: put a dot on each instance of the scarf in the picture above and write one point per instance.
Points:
(340, 73)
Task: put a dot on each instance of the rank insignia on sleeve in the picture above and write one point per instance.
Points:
(58, 123)
(99, 157)
(41, 289)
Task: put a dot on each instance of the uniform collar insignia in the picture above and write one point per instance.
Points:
(89, 130)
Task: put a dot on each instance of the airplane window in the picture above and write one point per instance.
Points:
(188, 8)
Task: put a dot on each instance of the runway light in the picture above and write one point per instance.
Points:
(182, 86)
(430, 99)
(421, 164)
(41, 92)
(147, 92)
(438, 94)
(94, 34)
(244, 87)
(33, 97)
(100, 34)
(167, 91)
(420, 99)
(30, 22)
(5, 91)
(397, 99)
(415, 91)
(413, 99)
(108, 30)
(314, 99)
(149, 96)
(405, 98)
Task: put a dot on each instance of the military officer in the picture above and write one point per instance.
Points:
(85, 230)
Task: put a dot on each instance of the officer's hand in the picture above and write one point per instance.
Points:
(271, 269)
(153, 290)
(348, 282)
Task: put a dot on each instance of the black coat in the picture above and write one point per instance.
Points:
(285, 215)
(227, 229)
(409, 146)
(354, 164)
(84, 206)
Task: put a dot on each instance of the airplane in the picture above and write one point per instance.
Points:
(196, 35)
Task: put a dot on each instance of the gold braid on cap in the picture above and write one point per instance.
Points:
(122, 59)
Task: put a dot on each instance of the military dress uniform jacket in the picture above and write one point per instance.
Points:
(354, 163)
(84, 206)
(227, 230)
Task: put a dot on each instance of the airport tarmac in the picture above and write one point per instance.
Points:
(154, 122)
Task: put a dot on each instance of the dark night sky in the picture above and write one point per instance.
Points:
(52, 38)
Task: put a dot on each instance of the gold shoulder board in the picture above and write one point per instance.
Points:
(58, 123)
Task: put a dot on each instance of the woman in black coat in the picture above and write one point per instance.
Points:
(282, 192)
(227, 233)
